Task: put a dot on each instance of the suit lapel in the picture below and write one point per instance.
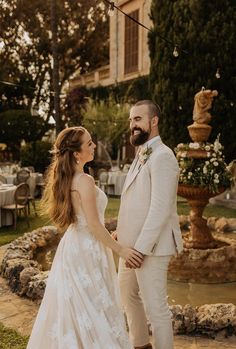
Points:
(131, 176)
(134, 170)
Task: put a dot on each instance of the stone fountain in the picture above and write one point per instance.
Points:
(198, 196)
(203, 175)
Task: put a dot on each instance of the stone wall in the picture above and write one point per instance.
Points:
(20, 266)
(208, 319)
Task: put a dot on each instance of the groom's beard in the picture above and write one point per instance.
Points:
(139, 139)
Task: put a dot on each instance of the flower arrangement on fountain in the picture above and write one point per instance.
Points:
(206, 170)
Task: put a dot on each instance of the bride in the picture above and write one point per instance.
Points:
(80, 308)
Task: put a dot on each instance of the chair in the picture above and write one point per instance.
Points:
(3, 179)
(103, 182)
(21, 177)
(31, 168)
(21, 199)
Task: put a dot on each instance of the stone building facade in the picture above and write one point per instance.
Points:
(129, 53)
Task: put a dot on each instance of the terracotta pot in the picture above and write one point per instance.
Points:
(199, 132)
(195, 193)
(197, 154)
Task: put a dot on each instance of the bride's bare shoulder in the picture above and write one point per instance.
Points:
(82, 180)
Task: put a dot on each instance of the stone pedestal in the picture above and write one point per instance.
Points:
(200, 236)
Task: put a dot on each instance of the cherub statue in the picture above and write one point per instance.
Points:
(203, 102)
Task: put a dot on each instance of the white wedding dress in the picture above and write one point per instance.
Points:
(80, 308)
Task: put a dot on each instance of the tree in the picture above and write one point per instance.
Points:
(25, 45)
(207, 31)
(107, 121)
(18, 125)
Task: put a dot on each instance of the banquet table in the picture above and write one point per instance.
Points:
(118, 179)
(35, 177)
(6, 198)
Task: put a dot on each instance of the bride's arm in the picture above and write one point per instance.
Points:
(86, 189)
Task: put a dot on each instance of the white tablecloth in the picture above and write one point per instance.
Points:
(6, 198)
(118, 179)
(34, 178)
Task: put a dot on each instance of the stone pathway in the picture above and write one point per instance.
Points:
(19, 314)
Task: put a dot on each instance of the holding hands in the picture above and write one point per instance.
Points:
(133, 258)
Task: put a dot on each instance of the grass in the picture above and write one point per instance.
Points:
(8, 234)
(10, 339)
(210, 210)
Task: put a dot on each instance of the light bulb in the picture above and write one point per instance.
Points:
(175, 52)
(218, 73)
(111, 10)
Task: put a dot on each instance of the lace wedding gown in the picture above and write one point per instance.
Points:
(80, 308)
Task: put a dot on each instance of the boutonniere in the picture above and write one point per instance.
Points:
(144, 155)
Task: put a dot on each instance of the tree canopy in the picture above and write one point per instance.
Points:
(206, 30)
(26, 50)
(18, 125)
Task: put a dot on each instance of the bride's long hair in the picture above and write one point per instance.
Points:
(56, 201)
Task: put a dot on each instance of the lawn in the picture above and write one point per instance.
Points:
(10, 339)
(7, 234)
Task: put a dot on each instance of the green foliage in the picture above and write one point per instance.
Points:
(211, 171)
(18, 125)
(26, 47)
(75, 101)
(11, 339)
(107, 121)
(207, 31)
(36, 154)
(130, 91)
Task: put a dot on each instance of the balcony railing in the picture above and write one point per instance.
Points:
(101, 76)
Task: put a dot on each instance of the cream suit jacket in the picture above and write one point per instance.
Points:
(148, 219)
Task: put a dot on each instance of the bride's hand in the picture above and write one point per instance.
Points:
(132, 257)
(114, 235)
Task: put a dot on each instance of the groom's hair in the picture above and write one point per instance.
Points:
(153, 108)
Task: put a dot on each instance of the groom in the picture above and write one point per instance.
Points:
(148, 222)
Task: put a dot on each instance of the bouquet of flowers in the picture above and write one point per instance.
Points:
(209, 170)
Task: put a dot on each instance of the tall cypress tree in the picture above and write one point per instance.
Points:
(207, 31)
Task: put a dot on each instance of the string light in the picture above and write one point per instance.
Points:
(113, 6)
(16, 85)
(176, 52)
(218, 73)
(111, 10)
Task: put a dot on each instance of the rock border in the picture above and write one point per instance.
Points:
(208, 319)
(19, 266)
(23, 273)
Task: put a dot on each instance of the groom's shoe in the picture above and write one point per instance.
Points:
(148, 346)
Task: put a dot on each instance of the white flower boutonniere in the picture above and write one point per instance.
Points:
(144, 155)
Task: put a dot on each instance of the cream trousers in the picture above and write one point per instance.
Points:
(144, 295)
